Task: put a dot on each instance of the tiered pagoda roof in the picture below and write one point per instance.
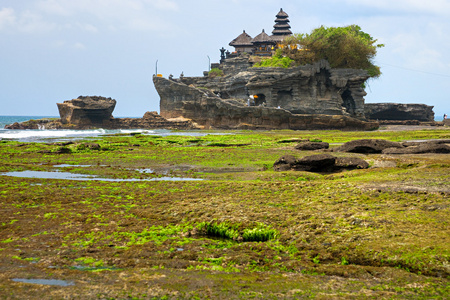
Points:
(245, 43)
(281, 27)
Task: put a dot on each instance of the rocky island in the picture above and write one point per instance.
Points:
(239, 93)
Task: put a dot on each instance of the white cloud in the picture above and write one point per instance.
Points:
(25, 21)
(30, 22)
(164, 4)
(7, 17)
(89, 15)
(79, 46)
(437, 7)
(87, 27)
(54, 7)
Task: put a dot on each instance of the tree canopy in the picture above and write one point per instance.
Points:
(343, 47)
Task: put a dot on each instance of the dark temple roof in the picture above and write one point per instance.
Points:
(242, 40)
(262, 38)
(281, 14)
(281, 27)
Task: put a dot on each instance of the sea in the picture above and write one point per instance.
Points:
(61, 135)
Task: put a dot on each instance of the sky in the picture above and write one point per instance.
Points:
(56, 50)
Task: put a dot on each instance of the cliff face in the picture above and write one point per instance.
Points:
(210, 111)
(309, 89)
(305, 97)
(399, 111)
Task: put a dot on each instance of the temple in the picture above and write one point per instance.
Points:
(262, 44)
(238, 95)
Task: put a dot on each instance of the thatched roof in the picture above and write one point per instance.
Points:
(242, 40)
(281, 26)
(281, 14)
(262, 38)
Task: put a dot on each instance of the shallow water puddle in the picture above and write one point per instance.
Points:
(71, 176)
(45, 281)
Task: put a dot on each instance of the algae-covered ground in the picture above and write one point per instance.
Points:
(237, 230)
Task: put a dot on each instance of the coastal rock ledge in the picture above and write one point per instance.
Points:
(89, 112)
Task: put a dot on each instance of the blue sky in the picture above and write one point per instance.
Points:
(56, 50)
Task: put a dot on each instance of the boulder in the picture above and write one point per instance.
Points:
(315, 163)
(424, 148)
(440, 141)
(367, 146)
(284, 163)
(312, 146)
(350, 163)
(319, 163)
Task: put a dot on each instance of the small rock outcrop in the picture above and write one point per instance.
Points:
(424, 148)
(315, 163)
(284, 163)
(312, 146)
(351, 163)
(86, 110)
(319, 163)
(399, 112)
(150, 120)
(367, 146)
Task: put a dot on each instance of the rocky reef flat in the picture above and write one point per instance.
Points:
(216, 216)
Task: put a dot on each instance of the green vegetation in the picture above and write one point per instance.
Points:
(258, 233)
(215, 72)
(243, 231)
(343, 47)
(276, 61)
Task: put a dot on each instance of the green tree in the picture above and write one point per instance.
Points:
(343, 47)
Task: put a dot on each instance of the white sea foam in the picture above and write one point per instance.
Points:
(37, 135)
(44, 135)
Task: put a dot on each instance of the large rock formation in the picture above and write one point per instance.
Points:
(304, 97)
(399, 112)
(210, 111)
(88, 110)
(309, 89)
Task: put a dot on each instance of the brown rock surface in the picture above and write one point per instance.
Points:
(86, 110)
(399, 111)
(319, 163)
(312, 146)
(351, 163)
(423, 148)
(367, 146)
(315, 163)
(284, 163)
(210, 111)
